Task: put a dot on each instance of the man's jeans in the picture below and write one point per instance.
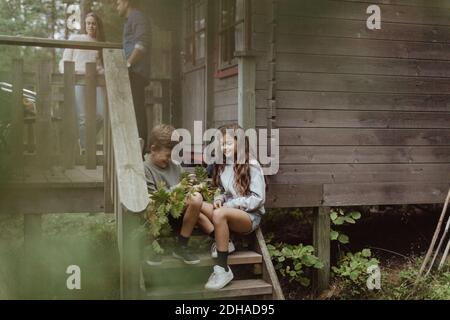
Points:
(138, 84)
(80, 106)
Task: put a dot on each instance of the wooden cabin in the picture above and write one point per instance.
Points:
(363, 115)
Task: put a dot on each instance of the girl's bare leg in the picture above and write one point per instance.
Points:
(226, 219)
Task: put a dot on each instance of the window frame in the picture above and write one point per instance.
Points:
(190, 37)
(245, 21)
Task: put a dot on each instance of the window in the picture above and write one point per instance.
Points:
(234, 30)
(195, 39)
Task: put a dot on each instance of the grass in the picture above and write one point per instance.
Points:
(85, 240)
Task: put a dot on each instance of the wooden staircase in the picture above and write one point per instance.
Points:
(110, 180)
(254, 276)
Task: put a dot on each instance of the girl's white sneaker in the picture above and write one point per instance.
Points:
(219, 278)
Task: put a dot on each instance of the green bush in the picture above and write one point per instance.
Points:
(352, 273)
(292, 260)
(338, 218)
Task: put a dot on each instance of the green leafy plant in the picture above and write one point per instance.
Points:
(165, 202)
(352, 272)
(339, 218)
(292, 260)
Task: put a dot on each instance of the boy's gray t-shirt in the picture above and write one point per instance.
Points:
(154, 175)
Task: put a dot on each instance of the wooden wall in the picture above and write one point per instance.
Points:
(364, 116)
(225, 100)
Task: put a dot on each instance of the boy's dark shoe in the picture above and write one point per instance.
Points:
(153, 258)
(186, 255)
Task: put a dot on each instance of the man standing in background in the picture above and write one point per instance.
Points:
(137, 46)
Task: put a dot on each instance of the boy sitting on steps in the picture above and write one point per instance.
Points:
(159, 167)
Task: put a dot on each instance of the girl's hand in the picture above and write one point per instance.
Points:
(217, 204)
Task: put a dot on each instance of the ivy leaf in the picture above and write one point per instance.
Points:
(343, 239)
(366, 253)
(319, 265)
(304, 281)
(333, 215)
(349, 220)
(354, 275)
(334, 235)
(355, 215)
(339, 221)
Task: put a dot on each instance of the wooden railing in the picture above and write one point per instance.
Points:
(125, 186)
(52, 132)
(125, 189)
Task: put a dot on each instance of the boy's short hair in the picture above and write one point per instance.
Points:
(161, 137)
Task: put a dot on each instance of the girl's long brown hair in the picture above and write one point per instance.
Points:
(242, 177)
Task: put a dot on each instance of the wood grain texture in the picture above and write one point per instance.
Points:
(384, 193)
(268, 271)
(90, 115)
(43, 117)
(364, 137)
(52, 43)
(17, 124)
(69, 133)
(236, 289)
(364, 154)
(127, 155)
(321, 240)
(359, 101)
(361, 173)
(292, 118)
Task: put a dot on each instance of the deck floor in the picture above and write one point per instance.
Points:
(57, 177)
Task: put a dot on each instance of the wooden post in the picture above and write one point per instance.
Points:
(129, 246)
(43, 117)
(246, 91)
(70, 119)
(18, 115)
(321, 235)
(107, 156)
(210, 63)
(90, 113)
(130, 189)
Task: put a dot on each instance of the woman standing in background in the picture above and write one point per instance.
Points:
(94, 32)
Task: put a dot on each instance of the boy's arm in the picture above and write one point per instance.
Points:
(152, 185)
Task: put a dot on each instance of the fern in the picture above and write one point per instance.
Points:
(164, 202)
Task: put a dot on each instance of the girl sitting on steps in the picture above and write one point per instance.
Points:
(240, 205)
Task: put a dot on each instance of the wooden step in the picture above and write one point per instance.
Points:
(237, 288)
(236, 258)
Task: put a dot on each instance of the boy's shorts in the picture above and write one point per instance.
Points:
(176, 224)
